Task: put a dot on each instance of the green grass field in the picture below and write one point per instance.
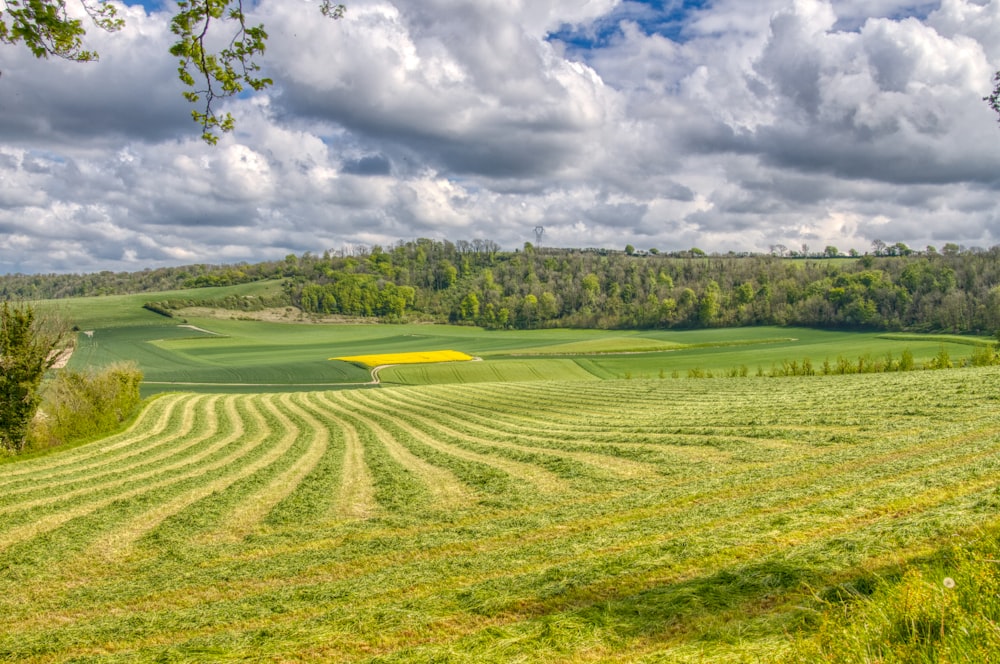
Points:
(528, 506)
(176, 357)
(88, 313)
(211, 354)
(559, 521)
(233, 355)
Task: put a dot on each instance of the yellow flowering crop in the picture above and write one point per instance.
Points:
(422, 357)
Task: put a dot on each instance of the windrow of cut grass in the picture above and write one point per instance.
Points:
(562, 521)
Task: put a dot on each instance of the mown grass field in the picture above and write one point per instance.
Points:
(620, 520)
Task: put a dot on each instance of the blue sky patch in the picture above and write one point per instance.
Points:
(667, 18)
(149, 5)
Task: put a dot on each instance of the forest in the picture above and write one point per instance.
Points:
(476, 283)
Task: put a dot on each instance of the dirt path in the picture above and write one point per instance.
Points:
(62, 357)
(200, 329)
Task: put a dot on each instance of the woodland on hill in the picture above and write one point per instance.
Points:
(955, 290)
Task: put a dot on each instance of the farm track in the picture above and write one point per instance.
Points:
(470, 521)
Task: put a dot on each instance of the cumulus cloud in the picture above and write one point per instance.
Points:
(725, 125)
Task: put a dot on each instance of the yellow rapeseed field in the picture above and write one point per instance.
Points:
(421, 357)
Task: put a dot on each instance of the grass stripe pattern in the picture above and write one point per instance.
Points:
(631, 520)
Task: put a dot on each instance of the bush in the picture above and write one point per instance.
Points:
(941, 361)
(28, 345)
(984, 356)
(82, 405)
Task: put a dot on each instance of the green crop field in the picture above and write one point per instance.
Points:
(235, 355)
(177, 357)
(497, 370)
(557, 521)
(213, 354)
(88, 313)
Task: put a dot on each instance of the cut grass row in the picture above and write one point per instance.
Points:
(677, 520)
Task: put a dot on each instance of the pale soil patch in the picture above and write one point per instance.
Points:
(200, 329)
(273, 315)
(62, 357)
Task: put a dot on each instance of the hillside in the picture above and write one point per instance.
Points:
(475, 283)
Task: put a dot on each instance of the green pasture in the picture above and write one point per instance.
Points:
(108, 311)
(182, 358)
(231, 354)
(500, 370)
(814, 345)
(221, 354)
(545, 521)
(617, 354)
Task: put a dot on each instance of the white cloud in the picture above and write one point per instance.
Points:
(785, 121)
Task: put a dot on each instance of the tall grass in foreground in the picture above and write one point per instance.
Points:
(945, 608)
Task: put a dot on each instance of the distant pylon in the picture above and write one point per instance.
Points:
(539, 232)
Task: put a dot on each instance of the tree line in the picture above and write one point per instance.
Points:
(476, 283)
(953, 291)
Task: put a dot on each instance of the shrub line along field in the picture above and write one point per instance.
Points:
(620, 520)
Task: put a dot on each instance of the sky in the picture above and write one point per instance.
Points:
(725, 125)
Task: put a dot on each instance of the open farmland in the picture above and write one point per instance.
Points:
(88, 313)
(422, 357)
(622, 520)
(212, 354)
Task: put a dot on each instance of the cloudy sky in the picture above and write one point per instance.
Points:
(718, 124)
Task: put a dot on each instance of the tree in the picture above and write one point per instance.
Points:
(469, 308)
(548, 306)
(445, 275)
(951, 249)
(46, 29)
(27, 350)
(708, 307)
(994, 99)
